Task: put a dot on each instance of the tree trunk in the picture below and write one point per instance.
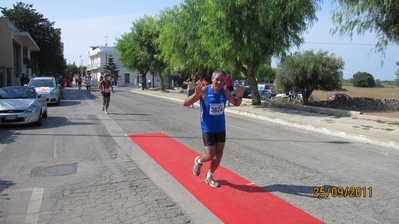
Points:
(305, 96)
(254, 89)
(143, 81)
(199, 72)
(249, 72)
(161, 83)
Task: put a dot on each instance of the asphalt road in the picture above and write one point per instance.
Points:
(105, 178)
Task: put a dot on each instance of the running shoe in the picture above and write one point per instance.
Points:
(211, 182)
(106, 112)
(197, 166)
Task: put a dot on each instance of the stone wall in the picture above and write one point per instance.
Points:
(356, 103)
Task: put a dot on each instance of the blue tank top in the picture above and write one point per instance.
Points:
(212, 111)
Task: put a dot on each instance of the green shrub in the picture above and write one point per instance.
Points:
(363, 79)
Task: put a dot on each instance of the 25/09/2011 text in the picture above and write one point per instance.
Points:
(342, 192)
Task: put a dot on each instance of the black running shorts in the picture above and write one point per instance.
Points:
(211, 138)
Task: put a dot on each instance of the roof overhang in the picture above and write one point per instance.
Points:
(26, 40)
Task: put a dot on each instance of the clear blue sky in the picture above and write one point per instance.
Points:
(90, 23)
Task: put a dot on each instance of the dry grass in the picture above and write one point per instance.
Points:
(377, 92)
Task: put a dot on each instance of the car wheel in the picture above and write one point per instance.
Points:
(44, 115)
(39, 122)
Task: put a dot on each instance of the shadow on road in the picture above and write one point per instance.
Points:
(300, 190)
(4, 184)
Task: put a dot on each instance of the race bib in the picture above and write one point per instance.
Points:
(106, 90)
(216, 108)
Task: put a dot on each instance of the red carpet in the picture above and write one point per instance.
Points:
(236, 201)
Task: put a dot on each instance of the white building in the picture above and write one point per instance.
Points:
(98, 57)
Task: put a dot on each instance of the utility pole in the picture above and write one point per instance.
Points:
(81, 65)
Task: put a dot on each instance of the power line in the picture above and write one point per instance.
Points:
(325, 43)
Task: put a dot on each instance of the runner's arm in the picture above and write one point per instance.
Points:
(199, 91)
(236, 101)
(112, 88)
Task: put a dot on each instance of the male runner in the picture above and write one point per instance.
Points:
(213, 100)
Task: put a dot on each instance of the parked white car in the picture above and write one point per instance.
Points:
(297, 96)
(281, 95)
(48, 88)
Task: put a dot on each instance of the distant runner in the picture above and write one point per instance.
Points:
(88, 82)
(105, 87)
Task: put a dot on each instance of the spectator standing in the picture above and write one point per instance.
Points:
(204, 82)
(228, 84)
(23, 79)
(198, 81)
(190, 88)
(116, 80)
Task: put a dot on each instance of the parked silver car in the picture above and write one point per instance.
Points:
(264, 90)
(21, 105)
(47, 87)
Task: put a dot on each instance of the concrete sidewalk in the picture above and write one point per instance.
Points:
(350, 125)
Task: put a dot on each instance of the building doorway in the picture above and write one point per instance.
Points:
(127, 78)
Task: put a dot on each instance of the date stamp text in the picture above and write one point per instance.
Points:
(342, 192)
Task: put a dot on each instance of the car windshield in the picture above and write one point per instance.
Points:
(17, 93)
(41, 83)
(261, 88)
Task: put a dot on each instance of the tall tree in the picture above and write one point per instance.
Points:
(73, 68)
(50, 59)
(139, 49)
(152, 29)
(180, 41)
(248, 32)
(133, 50)
(111, 67)
(379, 16)
(308, 71)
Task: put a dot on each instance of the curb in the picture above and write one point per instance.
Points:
(323, 130)
(360, 138)
(320, 110)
